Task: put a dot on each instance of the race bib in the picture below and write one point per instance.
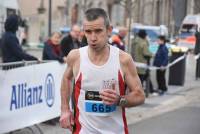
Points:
(95, 106)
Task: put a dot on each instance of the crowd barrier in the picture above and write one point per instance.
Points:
(145, 66)
(29, 94)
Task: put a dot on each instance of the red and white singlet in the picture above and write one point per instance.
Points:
(91, 115)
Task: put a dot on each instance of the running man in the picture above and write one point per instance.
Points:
(101, 74)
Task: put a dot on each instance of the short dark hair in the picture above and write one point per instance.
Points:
(94, 13)
(142, 33)
(162, 38)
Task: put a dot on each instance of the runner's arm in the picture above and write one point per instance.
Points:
(66, 118)
(136, 94)
(66, 84)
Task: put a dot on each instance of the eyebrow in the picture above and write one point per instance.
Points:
(96, 30)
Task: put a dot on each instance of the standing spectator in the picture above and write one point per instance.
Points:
(71, 41)
(161, 60)
(52, 49)
(82, 39)
(0, 49)
(118, 39)
(11, 49)
(197, 51)
(141, 52)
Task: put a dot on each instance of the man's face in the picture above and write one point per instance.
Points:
(75, 33)
(96, 33)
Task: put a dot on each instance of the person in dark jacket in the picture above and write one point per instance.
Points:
(161, 60)
(11, 49)
(197, 51)
(71, 41)
(52, 49)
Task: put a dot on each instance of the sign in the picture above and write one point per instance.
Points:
(29, 95)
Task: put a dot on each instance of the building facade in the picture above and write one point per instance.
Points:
(164, 12)
(68, 12)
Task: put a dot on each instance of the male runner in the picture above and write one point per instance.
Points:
(101, 74)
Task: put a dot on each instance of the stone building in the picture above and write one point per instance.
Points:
(68, 12)
(164, 12)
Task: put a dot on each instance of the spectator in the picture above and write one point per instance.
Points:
(52, 49)
(197, 51)
(11, 49)
(142, 54)
(161, 60)
(0, 49)
(118, 39)
(82, 39)
(71, 41)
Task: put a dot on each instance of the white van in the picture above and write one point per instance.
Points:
(190, 25)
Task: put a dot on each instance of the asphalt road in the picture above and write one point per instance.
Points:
(185, 120)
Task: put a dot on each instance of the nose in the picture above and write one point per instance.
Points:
(93, 36)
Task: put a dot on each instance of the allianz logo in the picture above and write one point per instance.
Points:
(23, 95)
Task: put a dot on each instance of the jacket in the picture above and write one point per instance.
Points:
(67, 44)
(52, 52)
(197, 45)
(161, 58)
(141, 53)
(11, 49)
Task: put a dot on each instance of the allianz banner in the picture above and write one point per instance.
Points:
(29, 95)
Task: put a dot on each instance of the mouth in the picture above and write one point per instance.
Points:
(93, 45)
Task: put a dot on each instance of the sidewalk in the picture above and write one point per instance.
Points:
(171, 100)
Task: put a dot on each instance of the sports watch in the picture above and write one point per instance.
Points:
(122, 101)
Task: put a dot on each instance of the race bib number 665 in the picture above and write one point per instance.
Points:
(94, 105)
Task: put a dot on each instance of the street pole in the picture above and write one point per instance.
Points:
(129, 4)
(49, 24)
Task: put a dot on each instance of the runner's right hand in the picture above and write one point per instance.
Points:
(67, 120)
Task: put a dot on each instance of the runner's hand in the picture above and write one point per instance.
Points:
(67, 120)
(109, 96)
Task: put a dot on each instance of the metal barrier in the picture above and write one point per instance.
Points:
(12, 65)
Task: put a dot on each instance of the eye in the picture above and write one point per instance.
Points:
(88, 31)
(98, 30)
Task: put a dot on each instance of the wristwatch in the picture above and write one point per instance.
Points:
(122, 101)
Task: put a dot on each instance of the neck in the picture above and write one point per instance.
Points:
(100, 56)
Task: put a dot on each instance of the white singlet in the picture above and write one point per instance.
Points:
(91, 115)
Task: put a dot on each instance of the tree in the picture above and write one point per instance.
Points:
(129, 5)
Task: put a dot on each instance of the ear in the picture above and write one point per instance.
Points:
(109, 30)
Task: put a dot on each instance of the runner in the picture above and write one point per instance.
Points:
(101, 73)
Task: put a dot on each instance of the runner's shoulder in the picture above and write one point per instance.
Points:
(73, 56)
(124, 57)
